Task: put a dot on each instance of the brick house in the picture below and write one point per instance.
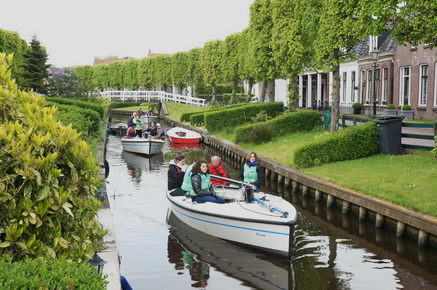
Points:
(415, 78)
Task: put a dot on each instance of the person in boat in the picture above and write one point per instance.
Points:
(186, 184)
(251, 171)
(139, 125)
(131, 132)
(216, 168)
(175, 175)
(140, 112)
(152, 130)
(201, 190)
(130, 120)
(150, 112)
(160, 132)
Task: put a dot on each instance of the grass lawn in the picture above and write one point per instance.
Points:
(408, 180)
(284, 146)
(176, 110)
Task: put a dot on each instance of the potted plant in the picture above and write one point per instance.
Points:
(357, 108)
(407, 112)
(390, 110)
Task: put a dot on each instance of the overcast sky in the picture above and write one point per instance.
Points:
(74, 32)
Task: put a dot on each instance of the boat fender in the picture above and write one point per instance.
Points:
(124, 283)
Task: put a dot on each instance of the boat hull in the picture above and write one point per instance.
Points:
(184, 140)
(149, 119)
(277, 238)
(142, 146)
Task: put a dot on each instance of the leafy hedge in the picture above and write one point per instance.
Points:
(82, 104)
(350, 143)
(299, 121)
(67, 115)
(435, 149)
(186, 117)
(123, 105)
(229, 118)
(48, 180)
(198, 119)
(41, 274)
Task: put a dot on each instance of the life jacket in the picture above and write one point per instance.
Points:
(131, 132)
(205, 184)
(250, 174)
(139, 124)
(219, 171)
(186, 184)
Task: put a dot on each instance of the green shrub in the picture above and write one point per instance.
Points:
(357, 105)
(42, 274)
(198, 119)
(260, 133)
(350, 143)
(435, 149)
(299, 121)
(406, 108)
(82, 104)
(229, 118)
(261, 117)
(117, 105)
(92, 117)
(390, 107)
(48, 180)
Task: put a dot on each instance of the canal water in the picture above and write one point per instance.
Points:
(330, 251)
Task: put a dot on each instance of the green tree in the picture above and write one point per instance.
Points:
(245, 59)
(342, 25)
(35, 69)
(231, 64)
(261, 47)
(195, 77)
(212, 55)
(10, 42)
(180, 73)
(295, 25)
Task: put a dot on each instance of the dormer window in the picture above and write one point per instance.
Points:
(373, 43)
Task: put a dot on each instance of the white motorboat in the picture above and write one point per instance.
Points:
(255, 219)
(183, 136)
(142, 146)
(149, 119)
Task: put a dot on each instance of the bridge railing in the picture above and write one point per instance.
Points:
(152, 96)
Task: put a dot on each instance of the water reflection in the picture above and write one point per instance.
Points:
(196, 251)
(137, 163)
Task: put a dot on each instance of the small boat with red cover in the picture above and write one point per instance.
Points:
(183, 136)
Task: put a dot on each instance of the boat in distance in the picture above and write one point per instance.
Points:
(183, 136)
(142, 146)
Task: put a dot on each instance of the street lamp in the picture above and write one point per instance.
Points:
(98, 262)
(375, 55)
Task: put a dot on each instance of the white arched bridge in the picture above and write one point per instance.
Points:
(152, 96)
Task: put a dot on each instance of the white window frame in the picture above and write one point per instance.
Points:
(435, 84)
(344, 86)
(353, 84)
(419, 99)
(384, 84)
(369, 85)
(377, 80)
(363, 87)
(401, 87)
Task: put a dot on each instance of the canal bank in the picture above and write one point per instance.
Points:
(288, 181)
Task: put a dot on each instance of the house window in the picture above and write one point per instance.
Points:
(384, 84)
(405, 86)
(376, 88)
(353, 87)
(363, 85)
(369, 85)
(435, 84)
(423, 89)
(344, 86)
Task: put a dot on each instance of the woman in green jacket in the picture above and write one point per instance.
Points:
(201, 190)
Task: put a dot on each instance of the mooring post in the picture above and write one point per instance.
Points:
(305, 191)
(400, 229)
(287, 183)
(422, 239)
(330, 201)
(345, 207)
(317, 196)
(294, 186)
(362, 214)
(379, 220)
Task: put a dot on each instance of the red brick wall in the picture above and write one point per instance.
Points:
(386, 63)
(405, 56)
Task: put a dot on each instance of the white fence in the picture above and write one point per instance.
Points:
(149, 96)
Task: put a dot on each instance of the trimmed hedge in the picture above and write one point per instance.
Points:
(216, 121)
(299, 121)
(123, 105)
(350, 143)
(186, 117)
(87, 114)
(82, 104)
(41, 274)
